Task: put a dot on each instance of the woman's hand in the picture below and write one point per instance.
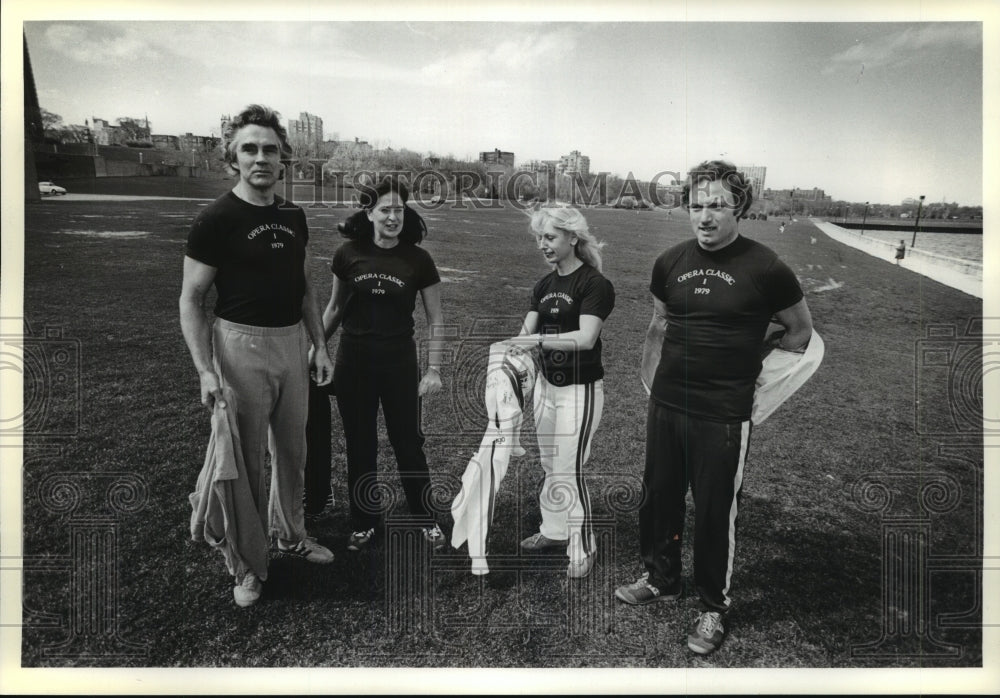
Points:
(430, 383)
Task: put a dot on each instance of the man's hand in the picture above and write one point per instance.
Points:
(430, 383)
(211, 390)
(320, 366)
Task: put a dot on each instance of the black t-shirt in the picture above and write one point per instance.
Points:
(559, 302)
(259, 253)
(382, 286)
(718, 306)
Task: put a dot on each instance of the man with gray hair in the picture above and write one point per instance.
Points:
(251, 244)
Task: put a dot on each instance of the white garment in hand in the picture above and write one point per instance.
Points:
(510, 377)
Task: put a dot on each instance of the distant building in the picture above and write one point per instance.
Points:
(332, 145)
(813, 194)
(107, 134)
(188, 142)
(573, 163)
(164, 142)
(305, 134)
(670, 194)
(756, 174)
(909, 201)
(497, 157)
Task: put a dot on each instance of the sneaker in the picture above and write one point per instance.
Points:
(359, 540)
(578, 570)
(641, 592)
(706, 633)
(323, 514)
(435, 537)
(539, 542)
(247, 592)
(308, 549)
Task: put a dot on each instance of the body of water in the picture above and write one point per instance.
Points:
(958, 245)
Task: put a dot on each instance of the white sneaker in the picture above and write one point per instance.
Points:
(578, 570)
(308, 549)
(359, 540)
(434, 536)
(247, 592)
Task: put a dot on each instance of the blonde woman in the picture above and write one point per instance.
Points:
(568, 308)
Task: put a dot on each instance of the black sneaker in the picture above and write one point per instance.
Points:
(359, 540)
(323, 514)
(537, 542)
(641, 592)
(307, 549)
(707, 633)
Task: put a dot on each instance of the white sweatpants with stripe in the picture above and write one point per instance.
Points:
(566, 418)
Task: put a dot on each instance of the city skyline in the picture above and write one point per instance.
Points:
(865, 111)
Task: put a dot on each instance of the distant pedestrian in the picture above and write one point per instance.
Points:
(781, 228)
(900, 251)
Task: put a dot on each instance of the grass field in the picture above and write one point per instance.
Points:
(879, 451)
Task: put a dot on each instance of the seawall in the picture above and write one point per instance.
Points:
(964, 275)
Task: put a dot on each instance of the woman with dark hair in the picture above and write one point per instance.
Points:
(377, 274)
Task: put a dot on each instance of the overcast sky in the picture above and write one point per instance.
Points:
(865, 111)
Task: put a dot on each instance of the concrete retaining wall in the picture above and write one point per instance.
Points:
(962, 274)
(887, 250)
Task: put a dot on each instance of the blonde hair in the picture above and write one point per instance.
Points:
(569, 220)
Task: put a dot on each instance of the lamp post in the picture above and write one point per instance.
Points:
(864, 219)
(916, 223)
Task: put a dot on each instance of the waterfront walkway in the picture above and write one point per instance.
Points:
(962, 274)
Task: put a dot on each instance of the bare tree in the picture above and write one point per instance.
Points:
(50, 121)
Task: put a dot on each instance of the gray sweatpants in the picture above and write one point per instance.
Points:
(268, 370)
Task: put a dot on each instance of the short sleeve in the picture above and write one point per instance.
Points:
(305, 226)
(658, 282)
(598, 297)
(427, 273)
(780, 287)
(536, 294)
(204, 242)
(340, 261)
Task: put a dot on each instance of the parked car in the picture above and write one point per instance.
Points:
(50, 188)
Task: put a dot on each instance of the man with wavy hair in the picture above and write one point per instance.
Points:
(251, 245)
(713, 298)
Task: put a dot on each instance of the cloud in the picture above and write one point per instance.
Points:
(527, 51)
(85, 45)
(907, 44)
(219, 47)
(496, 66)
(457, 68)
